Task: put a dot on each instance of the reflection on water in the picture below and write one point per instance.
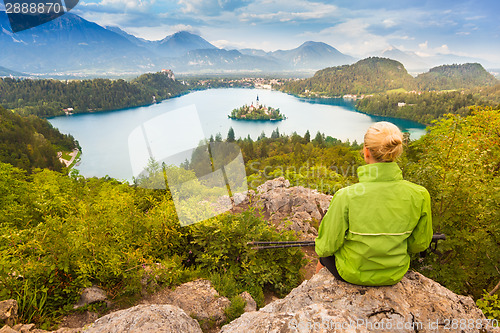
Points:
(104, 137)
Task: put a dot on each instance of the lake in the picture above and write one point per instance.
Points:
(114, 142)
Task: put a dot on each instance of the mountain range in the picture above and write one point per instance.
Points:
(73, 45)
(8, 72)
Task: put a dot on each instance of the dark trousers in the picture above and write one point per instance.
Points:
(329, 263)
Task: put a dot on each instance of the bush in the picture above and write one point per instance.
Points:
(490, 305)
(60, 234)
(458, 161)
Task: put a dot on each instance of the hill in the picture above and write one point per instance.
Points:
(48, 98)
(449, 77)
(376, 75)
(366, 76)
(31, 142)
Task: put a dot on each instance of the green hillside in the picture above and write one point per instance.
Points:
(31, 142)
(449, 77)
(48, 98)
(367, 76)
(376, 75)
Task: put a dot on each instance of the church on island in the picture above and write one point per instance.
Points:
(256, 111)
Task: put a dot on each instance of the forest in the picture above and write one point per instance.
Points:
(47, 98)
(30, 142)
(377, 75)
(60, 233)
(367, 76)
(425, 107)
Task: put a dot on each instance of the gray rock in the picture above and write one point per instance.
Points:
(8, 312)
(251, 304)
(324, 304)
(292, 208)
(198, 299)
(272, 184)
(146, 319)
(91, 295)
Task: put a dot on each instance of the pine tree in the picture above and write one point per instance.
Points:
(307, 136)
(230, 135)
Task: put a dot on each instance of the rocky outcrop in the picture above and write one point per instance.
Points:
(197, 298)
(324, 304)
(8, 312)
(292, 208)
(250, 305)
(151, 318)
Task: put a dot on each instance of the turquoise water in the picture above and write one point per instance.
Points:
(109, 139)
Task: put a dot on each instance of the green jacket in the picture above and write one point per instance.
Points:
(373, 225)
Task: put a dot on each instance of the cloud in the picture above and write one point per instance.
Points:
(424, 46)
(426, 51)
(389, 23)
(272, 11)
(210, 7)
(118, 5)
(443, 49)
(352, 37)
(398, 37)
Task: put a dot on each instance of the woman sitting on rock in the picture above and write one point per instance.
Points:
(371, 227)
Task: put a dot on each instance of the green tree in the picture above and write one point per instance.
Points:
(458, 161)
(307, 136)
(230, 135)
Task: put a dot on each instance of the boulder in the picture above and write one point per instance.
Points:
(91, 295)
(8, 312)
(146, 319)
(251, 305)
(272, 184)
(292, 208)
(197, 298)
(324, 304)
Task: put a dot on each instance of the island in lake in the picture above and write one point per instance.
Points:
(257, 112)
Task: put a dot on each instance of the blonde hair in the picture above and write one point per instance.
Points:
(385, 141)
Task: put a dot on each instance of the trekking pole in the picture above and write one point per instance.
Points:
(284, 244)
(280, 245)
(434, 243)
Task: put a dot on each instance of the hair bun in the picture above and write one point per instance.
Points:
(385, 141)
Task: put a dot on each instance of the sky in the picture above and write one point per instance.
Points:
(358, 28)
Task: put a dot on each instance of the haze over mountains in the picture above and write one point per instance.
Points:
(73, 45)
